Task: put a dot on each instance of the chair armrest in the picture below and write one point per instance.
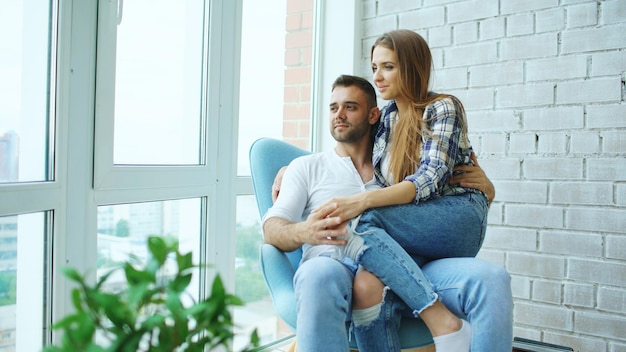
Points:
(278, 274)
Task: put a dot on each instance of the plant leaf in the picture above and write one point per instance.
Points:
(73, 275)
(77, 299)
(115, 309)
(184, 261)
(158, 249)
(180, 283)
(136, 277)
(217, 290)
(105, 277)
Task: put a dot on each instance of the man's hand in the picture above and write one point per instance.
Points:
(277, 182)
(318, 228)
(474, 177)
(322, 228)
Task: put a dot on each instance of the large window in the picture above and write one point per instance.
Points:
(158, 84)
(24, 273)
(262, 85)
(27, 96)
(110, 125)
(152, 110)
(25, 100)
(274, 101)
(123, 231)
(119, 120)
(160, 118)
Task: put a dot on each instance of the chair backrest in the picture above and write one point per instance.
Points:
(267, 156)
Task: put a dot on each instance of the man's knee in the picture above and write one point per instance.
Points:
(495, 276)
(323, 273)
(500, 282)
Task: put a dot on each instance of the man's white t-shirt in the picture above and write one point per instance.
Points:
(310, 181)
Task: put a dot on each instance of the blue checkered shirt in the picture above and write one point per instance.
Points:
(442, 149)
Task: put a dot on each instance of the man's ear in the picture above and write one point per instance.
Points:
(374, 115)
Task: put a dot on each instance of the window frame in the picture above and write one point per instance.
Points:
(84, 174)
(86, 179)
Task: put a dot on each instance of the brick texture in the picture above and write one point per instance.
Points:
(543, 83)
(298, 68)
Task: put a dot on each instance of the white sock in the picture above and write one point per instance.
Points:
(458, 341)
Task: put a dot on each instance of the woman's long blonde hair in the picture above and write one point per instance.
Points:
(414, 64)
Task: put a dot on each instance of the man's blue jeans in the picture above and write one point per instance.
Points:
(473, 289)
(323, 288)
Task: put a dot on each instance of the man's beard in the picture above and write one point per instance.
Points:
(354, 134)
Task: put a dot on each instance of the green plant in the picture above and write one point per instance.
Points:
(148, 314)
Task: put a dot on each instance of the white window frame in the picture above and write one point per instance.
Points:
(213, 180)
(76, 191)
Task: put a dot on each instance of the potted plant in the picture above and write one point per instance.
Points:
(151, 313)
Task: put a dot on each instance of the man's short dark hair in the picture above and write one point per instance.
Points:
(361, 83)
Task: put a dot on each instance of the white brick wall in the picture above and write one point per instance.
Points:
(543, 85)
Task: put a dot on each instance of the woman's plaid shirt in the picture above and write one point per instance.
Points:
(443, 148)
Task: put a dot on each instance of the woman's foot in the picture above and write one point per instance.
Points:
(458, 341)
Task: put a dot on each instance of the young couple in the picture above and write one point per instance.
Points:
(397, 186)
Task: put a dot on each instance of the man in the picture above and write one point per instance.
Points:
(324, 280)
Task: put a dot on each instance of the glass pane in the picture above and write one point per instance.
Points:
(158, 83)
(25, 49)
(123, 231)
(275, 88)
(258, 311)
(22, 281)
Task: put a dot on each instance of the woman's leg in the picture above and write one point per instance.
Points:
(376, 314)
(377, 252)
(450, 226)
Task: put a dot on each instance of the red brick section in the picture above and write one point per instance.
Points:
(298, 52)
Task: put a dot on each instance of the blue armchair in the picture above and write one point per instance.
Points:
(267, 156)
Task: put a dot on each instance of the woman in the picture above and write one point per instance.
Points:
(421, 138)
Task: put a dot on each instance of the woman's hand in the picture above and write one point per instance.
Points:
(347, 207)
(474, 177)
(277, 182)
